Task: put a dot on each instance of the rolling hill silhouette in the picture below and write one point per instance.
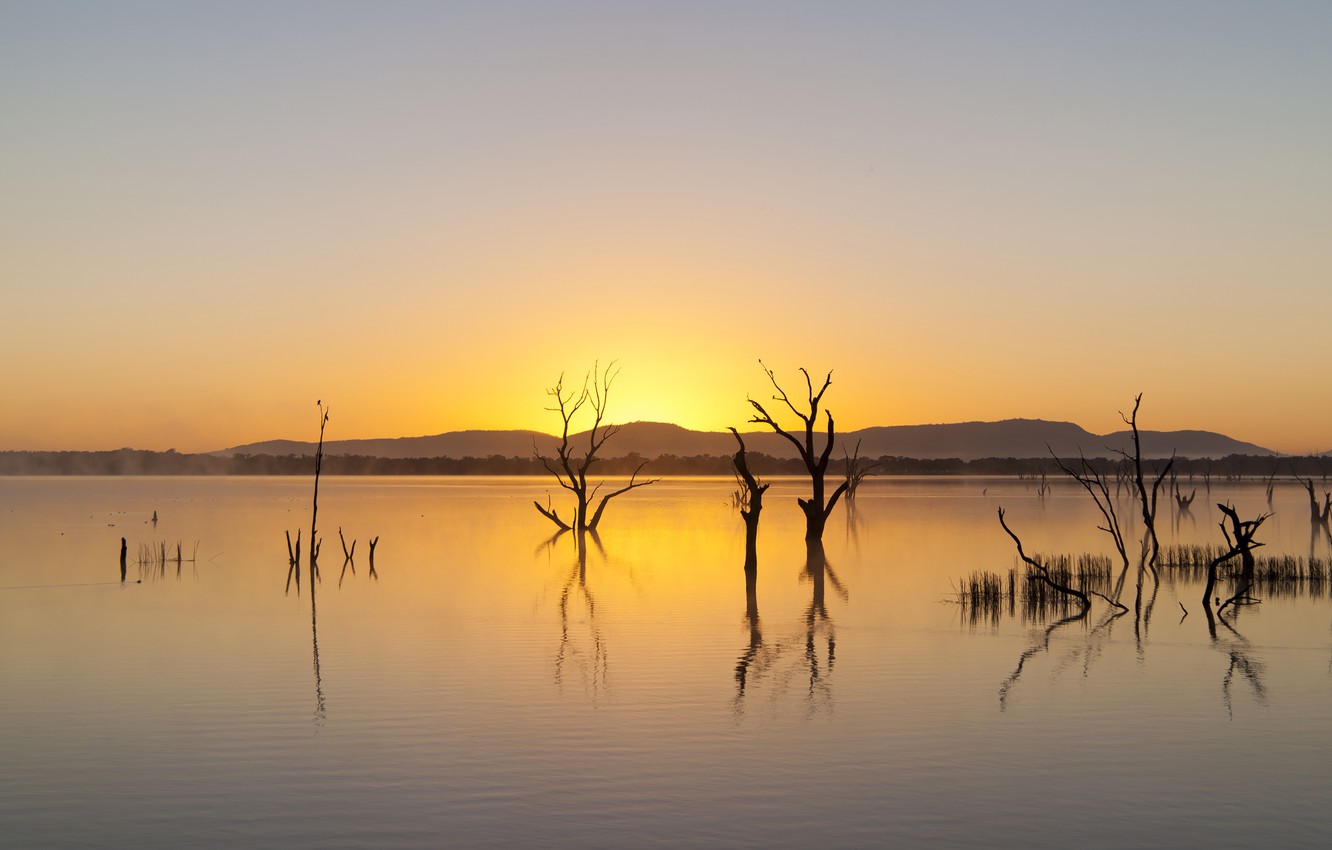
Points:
(1016, 438)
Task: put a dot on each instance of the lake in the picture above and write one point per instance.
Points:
(490, 686)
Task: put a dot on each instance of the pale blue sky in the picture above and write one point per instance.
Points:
(426, 211)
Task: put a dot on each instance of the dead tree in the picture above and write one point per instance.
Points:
(751, 507)
(1184, 504)
(1319, 517)
(857, 470)
(1239, 540)
(815, 508)
(1151, 545)
(568, 466)
(315, 542)
(1096, 486)
(1039, 570)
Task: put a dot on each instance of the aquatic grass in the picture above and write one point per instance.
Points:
(982, 596)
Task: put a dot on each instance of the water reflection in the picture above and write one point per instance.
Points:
(1089, 649)
(582, 646)
(1238, 651)
(808, 654)
(320, 712)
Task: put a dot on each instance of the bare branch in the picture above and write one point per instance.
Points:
(1042, 573)
(633, 484)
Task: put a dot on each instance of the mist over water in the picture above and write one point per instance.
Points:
(494, 686)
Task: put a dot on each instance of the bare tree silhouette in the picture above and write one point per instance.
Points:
(569, 468)
(1240, 541)
(857, 470)
(1319, 517)
(815, 508)
(751, 504)
(1151, 546)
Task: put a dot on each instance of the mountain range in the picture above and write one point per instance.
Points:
(1016, 438)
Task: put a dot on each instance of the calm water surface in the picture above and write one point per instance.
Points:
(490, 686)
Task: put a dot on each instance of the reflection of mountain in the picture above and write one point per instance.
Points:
(1020, 438)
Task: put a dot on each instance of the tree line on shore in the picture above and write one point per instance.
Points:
(142, 462)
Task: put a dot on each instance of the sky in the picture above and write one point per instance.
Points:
(213, 214)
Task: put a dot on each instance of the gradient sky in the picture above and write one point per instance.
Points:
(212, 214)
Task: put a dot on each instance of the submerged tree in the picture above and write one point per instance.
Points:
(1151, 545)
(815, 508)
(1239, 541)
(751, 506)
(569, 467)
(857, 470)
(1129, 476)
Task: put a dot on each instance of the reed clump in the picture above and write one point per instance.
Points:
(983, 596)
(158, 555)
(1274, 574)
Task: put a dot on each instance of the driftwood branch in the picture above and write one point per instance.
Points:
(1043, 573)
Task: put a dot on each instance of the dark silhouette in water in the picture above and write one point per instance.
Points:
(810, 654)
(751, 505)
(594, 666)
(320, 711)
(348, 557)
(315, 542)
(294, 561)
(569, 469)
(1241, 542)
(1237, 649)
(755, 627)
(124, 554)
(815, 509)
(857, 469)
(1094, 482)
(1319, 517)
(1151, 546)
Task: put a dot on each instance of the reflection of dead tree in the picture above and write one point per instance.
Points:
(815, 509)
(1237, 649)
(1089, 651)
(569, 469)
(750, 656)
(1041, 645)
(1042, 573)
(857, 470)
(320, 709)
(808, 656)
(593, 665)
(751, 504)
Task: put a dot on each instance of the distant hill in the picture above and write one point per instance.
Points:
(1016, 438)
(451, 444)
